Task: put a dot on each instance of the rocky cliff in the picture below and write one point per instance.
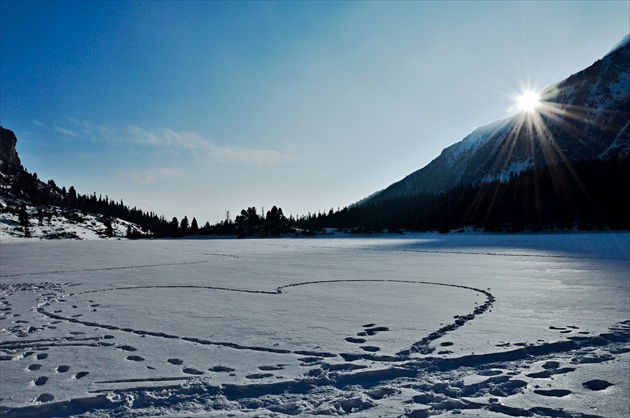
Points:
(8, 154)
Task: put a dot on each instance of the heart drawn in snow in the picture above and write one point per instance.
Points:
(378, 319)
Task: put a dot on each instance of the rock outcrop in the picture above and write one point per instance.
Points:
(8, 154)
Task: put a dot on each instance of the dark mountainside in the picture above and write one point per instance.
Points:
(586, 116)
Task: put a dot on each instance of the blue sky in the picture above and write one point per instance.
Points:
(195, 108)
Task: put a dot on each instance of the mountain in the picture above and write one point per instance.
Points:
(583, 117)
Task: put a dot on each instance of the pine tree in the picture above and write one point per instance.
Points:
(173, 227)
(23, 216)
(109, 229)
(184, 225)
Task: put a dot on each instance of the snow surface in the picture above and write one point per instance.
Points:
(416, 325)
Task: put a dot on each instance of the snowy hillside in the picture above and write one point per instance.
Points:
(585, 116)
(52, 222)
(20, 220)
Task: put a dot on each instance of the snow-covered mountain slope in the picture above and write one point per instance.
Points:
(54, 222)
(585, 116)
(27, 209)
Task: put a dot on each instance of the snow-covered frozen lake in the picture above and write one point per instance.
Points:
(416, 325)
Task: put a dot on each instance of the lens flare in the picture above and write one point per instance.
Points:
(528, 101)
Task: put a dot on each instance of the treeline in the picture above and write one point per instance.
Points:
(586, 195)
(250, 223)
(30, 188)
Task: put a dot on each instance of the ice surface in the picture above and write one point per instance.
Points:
(415, 325)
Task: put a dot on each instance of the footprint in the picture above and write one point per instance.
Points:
(548, 373)
(270, 368)
(190, 370)
(42, 356)
(127, 348)
(551, 365)
(175, 361)
(258, 375)
(34, 367)
(63, 369)
(45, 397)
(555, 393)
(221, 369)
(446, 344)
(40, 381)
(355, 340)
(370, 348)
(80, 375)
(373, 331)
(6, 358)
(490, 372)
(597, 384)
(135, 358)
(368, 325)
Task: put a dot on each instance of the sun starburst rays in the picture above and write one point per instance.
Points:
(531, 139)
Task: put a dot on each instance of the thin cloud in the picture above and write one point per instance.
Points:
(154, 175)
(203, 148)
(65, 131)
(174, 142)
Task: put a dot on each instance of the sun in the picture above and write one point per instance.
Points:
(528, 101)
